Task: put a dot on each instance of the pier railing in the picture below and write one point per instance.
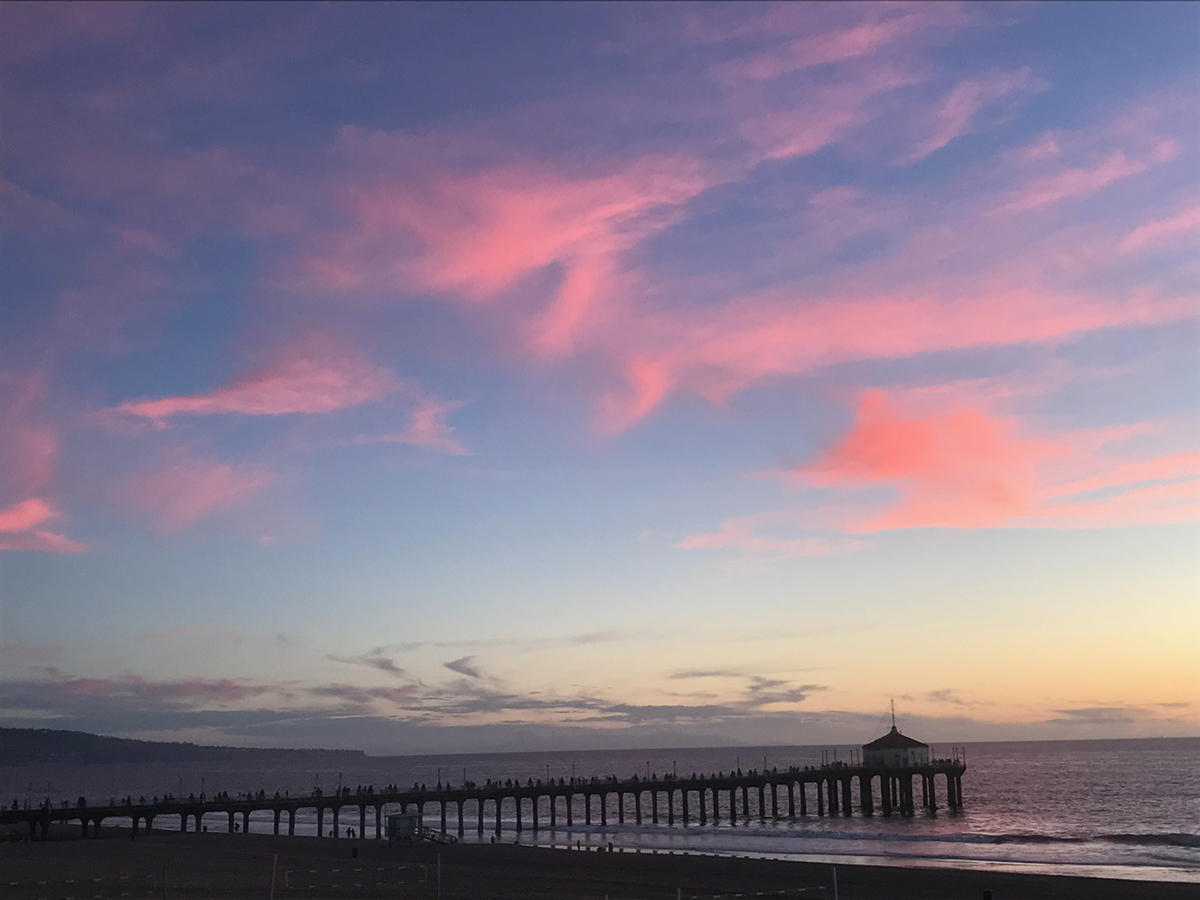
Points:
(826, 790)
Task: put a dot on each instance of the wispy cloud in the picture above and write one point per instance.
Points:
(1086, 180)
(745, 533)
(757, 338)
(956, 113)
(308, 378)
(966, 468)
(375, 659)
(1161, 231)
(478, 235)
(428, 430)
(946, 695)
(835, 45)
(189, 488)
(707, 673)
(960, 469)
(464, 666)
(19, 529)
(29, 455)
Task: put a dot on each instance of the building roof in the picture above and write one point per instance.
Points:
(893, 740)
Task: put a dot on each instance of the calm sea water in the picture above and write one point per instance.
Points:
(1126, 809)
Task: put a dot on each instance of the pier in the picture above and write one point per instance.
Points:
(830, 790)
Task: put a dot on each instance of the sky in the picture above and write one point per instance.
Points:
(436, 377)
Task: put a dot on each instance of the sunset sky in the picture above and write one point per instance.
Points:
(484, 376)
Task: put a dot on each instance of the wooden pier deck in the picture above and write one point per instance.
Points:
(671, 800)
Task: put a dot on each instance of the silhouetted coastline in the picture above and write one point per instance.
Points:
(45, 745)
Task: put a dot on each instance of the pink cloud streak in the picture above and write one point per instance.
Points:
(19, 531)
(761, 337)
(956, 113)
(28, 459)
(24, 515)
(962, 469)
(193, 489)
(743, 533)
(1083, 182)
(304, 379)
(427, 429)
(880, 28)
(966, 469)
(481, 234)
(29, 451)
(1162, 230)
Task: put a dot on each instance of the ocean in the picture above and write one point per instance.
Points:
(1117, 809)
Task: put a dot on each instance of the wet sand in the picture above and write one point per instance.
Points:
(176, 866)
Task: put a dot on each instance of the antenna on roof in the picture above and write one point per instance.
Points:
(893, 712)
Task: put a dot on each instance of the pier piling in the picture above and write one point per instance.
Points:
(833, 786)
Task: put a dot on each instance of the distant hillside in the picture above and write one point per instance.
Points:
(27, 745)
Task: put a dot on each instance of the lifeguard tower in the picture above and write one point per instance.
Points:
(406, 827)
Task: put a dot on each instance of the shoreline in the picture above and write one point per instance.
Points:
(240, 865)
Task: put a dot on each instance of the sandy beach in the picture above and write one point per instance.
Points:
(171, 865)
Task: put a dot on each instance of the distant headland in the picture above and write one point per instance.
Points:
(46, 745)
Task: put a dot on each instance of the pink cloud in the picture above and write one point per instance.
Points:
(1083, 182)
(961, 469)
(19, 531)
(879, 28)
(816, 118)
(956, 113)
(964, 468)
(29, 450)
(783, 111)
(427, 429)
(24, 515)
(308, 378)
(479, 235)
(755, 338)
(1178, 465)
(820, 49)
(193, 489)
(783, 134)
(28, 457)
(1154, 504)
(1162, 230)
(744, 533)
(1045, 148)
(42, 542)
(648, 382)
